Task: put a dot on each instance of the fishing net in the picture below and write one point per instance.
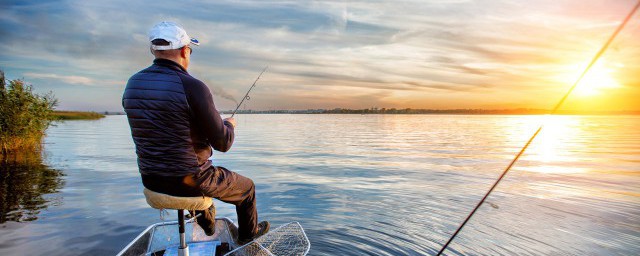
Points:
(288, 239)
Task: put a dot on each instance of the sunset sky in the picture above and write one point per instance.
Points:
(327, 54)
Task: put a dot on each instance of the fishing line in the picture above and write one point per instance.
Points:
(246, 96)
(555, 109)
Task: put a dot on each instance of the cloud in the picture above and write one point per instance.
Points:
(383, 50)
(66, 79)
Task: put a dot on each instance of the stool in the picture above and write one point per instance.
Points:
(164, 201)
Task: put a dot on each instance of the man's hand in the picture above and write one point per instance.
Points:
(231, 120)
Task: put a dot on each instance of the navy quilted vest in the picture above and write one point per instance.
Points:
(159, 117)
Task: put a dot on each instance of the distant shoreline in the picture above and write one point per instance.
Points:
(409, 111)
(76, 115)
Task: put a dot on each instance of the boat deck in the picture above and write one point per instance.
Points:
(161, 238)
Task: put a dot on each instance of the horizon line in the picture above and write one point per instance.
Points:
(529, 111)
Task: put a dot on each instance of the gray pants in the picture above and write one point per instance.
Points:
(229, 187)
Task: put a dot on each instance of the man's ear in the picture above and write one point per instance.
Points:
(184, 52)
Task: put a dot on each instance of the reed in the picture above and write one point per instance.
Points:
(24, 115)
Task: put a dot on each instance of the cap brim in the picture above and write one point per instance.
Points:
(194, 41)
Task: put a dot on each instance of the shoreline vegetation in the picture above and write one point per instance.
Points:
(76, 115)
(410, 111)
(24, 116)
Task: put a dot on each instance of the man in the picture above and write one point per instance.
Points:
(174, 125)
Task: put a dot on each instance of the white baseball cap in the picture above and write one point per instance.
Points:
(172, 33)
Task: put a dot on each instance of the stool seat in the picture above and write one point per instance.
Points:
(164, 201)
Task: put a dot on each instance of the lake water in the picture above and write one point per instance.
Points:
(358, 184)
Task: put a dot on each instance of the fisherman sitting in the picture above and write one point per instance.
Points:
(174, 125)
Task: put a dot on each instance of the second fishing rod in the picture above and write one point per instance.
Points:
(555, 109)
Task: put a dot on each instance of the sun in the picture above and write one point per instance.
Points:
(598, 79)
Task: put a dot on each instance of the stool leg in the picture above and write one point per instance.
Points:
(183, 250)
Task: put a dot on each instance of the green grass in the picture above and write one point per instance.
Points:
(76, 115)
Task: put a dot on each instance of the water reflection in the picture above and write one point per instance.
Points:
(24, 184)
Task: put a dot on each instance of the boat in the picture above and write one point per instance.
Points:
(163, 239)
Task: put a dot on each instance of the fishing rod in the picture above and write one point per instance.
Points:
(246, 96)
(506, 170)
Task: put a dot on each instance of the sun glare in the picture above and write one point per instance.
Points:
(551, 150)
(599, 78)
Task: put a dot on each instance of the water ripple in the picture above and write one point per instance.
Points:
(372, 185)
